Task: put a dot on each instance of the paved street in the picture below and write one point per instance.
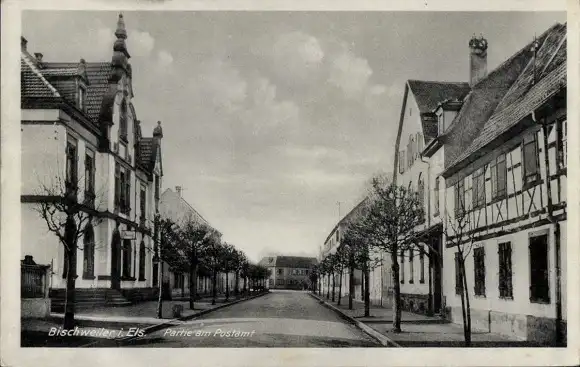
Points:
(278, 319)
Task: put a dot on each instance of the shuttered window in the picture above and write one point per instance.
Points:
(505, 270)
(479, 271)
(530, 160)
(498, 177)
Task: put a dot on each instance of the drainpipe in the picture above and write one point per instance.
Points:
(556, 226)
(430, 294)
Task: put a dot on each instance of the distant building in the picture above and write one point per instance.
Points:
(289, 272)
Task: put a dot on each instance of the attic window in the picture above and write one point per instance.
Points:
(82, 98)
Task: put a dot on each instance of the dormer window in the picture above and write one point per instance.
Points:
(82, 98)
(440, 123)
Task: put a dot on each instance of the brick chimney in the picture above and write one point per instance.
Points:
(38, 56)
(477, 59)
(23, 43)
(178, 190)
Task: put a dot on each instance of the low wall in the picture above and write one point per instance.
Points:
(34, 307)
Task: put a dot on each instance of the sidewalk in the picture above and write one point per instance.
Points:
(423, 331)
(109, 323)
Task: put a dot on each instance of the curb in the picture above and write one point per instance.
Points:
(382, 339)
(165, 324)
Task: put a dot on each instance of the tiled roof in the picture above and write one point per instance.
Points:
(428, 94)
(98, 74)
(295, 261)
(60, 72)
(32, 83)
(493, 107)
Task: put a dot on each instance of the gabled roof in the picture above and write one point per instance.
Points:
(32, 83)
(428, 94)
(184, 204)
(505, 96)
(98, 74)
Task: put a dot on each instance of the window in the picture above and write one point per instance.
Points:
(123, 121)
(498, 177)
(505, 270)
(143, 203)
(539, 273)
(142, 260)
(530, 160)
(563, 146)
(89, 176)
(401, 161)
(437, 194)
(440, 124)
(155, 279)
(411, 267)
(89, 252)
(458, 276)
(157, 187)
(422, 264)
(71, 164)
(421, 193)
(280, 271)
(460, 197)
(479, 271)
(478, 188)
(127, 258)
(122, 189)
(82, 98)
(419, 143)
(402, 271)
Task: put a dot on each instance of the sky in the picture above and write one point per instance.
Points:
(270, 119)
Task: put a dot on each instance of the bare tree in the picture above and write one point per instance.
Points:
(387, 223)
(460, 234)
(70, 220)
(168, 239)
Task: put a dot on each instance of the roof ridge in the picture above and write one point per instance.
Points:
(37, 72)
(436, 81)
(516, 54)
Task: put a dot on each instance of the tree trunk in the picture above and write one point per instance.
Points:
(192, 282)
(69, 308)
(465, 305)
(396, 293)
(340, 287)
(236, 285)
(367, 293)
(328, 286)
(350, 287)
(244, 290)
(214, 288)
(160, 298)
(333, 285)
(362, 287)
(227, 286)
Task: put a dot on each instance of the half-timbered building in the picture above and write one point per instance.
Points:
(505, 194)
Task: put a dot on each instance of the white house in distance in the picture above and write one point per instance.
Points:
(80, 132)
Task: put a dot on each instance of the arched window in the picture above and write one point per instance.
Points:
(89, 252)
(123, 121)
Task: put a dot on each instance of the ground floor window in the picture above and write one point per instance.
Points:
(505, 270)
(142, 260)
(479, 270)
(539, 270)
(127, 258)
(458, 276)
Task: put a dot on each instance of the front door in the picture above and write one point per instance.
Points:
(116, 260)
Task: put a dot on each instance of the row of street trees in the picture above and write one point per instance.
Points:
(197, 249)
(387, 224)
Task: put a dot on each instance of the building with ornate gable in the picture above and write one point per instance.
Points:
(80, 129)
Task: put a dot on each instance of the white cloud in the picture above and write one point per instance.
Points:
(350, 73)
(139, 43)
(164, 58)
(222, 83)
